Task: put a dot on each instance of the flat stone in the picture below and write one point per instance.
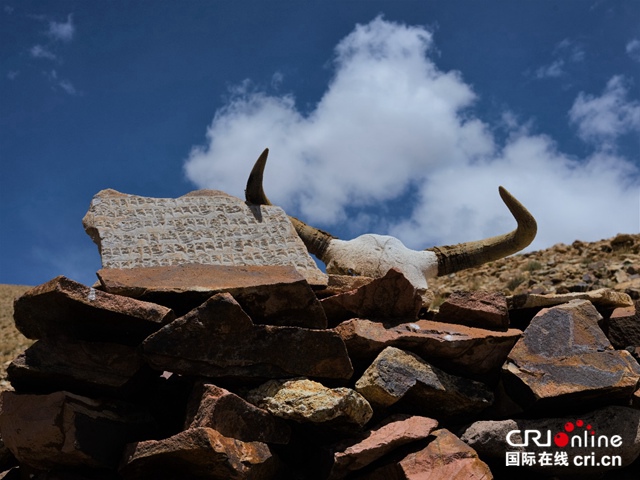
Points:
(444, 458)
(89, 368)
(65, 307)
(199, 453)
(306, 401)
(489, 439)
(475, 309)
(405, 379)
(206, 227)
(563, 357)
(271, 294)
(219, 340)
(454, 347)
(62, 429)
(396, 431)
(214, 407)
(603, 298)
(388, 297)
(623, 327)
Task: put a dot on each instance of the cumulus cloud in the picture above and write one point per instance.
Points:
(633, 49)
(565, 53)
(602, 119)
(394, 146)
(62, 31)
(38, 51)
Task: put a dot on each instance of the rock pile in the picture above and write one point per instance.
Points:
(217, 372)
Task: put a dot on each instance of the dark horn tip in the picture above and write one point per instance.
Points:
(254, 192)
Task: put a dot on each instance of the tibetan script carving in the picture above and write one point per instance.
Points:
(206, 226)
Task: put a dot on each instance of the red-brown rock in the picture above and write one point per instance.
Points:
(476, 309)
(454, 347)
(89, 368)
(388, 297)
(272, 295)
(446, 457)
(64, 307)
(199, 453)
(624, 327)
(564, 357)
(62, 429)
(218, 339)
(411, 384)
(396, 431)
(214, 407)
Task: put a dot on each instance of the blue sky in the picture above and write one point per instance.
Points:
(393, 117)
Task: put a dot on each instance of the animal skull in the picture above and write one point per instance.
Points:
(374, 255)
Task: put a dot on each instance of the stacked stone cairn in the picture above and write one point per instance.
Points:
(213, 372)
(234, 366)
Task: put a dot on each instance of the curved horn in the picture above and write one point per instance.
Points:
(316, 241)
(452, 258)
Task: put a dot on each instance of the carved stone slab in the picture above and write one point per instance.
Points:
(206, 226)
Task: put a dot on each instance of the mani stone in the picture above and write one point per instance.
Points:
(564, 357)
(219, 340)
(65, 307)
(272, 295)
(206, 226)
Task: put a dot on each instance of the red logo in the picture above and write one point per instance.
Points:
(561, 439)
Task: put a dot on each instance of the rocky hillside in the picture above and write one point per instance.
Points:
(579, 267)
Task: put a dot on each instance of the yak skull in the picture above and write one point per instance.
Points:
(374, 255)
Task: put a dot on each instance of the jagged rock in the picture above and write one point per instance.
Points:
(489, 439)
(602, 298)
(623, 327)
(64, 307)
(63, 429)
(563, 356)
(342, 284)
(273, 295)
(94, 368)
(306, 401)
(454, 347)
(201, 453)
(388, 297)
(475, 309)
(214, 407)
(446, 457)
(218, 339)
(396, 431)
(403, 378)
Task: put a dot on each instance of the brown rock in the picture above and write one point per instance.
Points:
(405, 379)
(446, 457)
(475, 309)
(91, 368)
(218, 339)
(563, 356)
(62, 429)
(273, 295)
(602, 298)
(489, 439)
(305, 401)
(342, 284)
(199, 453)
(214, 407)
(454, 347)
(389, 297)
(374, 444)
(624, 327)
(64, 307)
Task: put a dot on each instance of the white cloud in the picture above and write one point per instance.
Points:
(601, 120)
(62, 31)
(38, 51)
(565, 53)
(394, 146)
(633, 49)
